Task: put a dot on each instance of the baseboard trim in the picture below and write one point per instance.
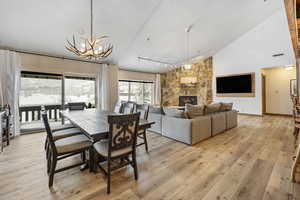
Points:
(249, 114)
(276, 114)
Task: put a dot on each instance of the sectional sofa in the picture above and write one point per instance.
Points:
(192, 131)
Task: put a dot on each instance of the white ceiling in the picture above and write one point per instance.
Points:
(43, 26)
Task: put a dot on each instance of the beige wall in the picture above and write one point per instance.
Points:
(63, 66)
(278, 99)
(137, 76)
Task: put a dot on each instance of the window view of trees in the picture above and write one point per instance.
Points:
(40, 91)
(80, 90)
(139, 92)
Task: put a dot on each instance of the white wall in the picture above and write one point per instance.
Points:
(278, 100)
(251, 52)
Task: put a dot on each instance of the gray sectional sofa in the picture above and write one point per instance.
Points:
(192, 131)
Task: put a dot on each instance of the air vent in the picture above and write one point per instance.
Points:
(277, 55)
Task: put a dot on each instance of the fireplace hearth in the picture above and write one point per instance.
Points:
(187, 100)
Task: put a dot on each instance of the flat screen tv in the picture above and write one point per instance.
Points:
(235, 85)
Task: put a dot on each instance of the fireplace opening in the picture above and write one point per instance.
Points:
(187, 100)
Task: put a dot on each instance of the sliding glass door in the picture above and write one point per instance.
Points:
(53, 91)
(80, 89)
(136, 91)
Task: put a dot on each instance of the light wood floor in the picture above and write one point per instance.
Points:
(252, 162)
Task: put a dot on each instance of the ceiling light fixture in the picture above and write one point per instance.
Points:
(90, 47)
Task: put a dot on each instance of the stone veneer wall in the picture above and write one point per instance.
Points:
(172, 89)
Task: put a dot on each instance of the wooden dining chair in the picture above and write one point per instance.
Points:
(120, 145)
(64, 148)
(142, 133)
(119, 107)
(129, 107)
(6, 125)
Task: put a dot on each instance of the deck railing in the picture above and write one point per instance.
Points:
(33, 113)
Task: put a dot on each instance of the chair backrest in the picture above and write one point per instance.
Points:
(48, 131)
(129, 107)
(118, 107)
(295, 100)
(143, 109)
(77, 106)
(122, 131)
(7, 116)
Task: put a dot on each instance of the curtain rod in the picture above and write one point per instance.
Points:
(51, 56)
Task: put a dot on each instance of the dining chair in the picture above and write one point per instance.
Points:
(121, 143)
(63, 131)
(118, 107)
(129, 107)
(6, 124)
(64, 148)
(77, 106)
(144, 110)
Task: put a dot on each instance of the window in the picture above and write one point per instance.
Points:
(136, 91)
(40, 89)
(80, 89)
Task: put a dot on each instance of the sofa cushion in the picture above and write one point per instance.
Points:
(155, 109)
(226, 106)
(231, 119)
(173, 112)
(218, 123)
(193, 111)
(212, 108)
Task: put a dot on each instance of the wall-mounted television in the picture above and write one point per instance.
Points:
(237, 85)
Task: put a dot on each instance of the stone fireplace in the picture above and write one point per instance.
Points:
(187, 100)
(172, 87)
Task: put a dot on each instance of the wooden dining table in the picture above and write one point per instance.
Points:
(93, 123)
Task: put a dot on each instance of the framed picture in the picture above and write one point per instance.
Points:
(293, 87)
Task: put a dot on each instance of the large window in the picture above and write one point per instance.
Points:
(80, 89)
(46, 89)
(40, 89)
(137, 91)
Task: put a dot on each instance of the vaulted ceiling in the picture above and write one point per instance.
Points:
(148, 28)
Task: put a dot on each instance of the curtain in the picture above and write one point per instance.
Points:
(103, 88)
(157, 100)
(10, 65)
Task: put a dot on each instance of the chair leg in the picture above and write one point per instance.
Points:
(48, 162)
(46, 143)
(136, 176)
(83, 157)
(52, 170)
(91, 159)
(145, 141)
(108, 175)
(296, 134)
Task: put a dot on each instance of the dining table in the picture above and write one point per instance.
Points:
(93, 123)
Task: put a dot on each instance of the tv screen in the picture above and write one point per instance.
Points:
(234, 84)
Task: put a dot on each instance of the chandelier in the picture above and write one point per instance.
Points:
(90, 47)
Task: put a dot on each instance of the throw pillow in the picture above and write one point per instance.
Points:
(226, 106)
(173, 112)
(194, 110)
(212, 108)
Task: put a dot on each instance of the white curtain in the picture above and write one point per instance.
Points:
(157, 100)
(10, 65)
(103, 88)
